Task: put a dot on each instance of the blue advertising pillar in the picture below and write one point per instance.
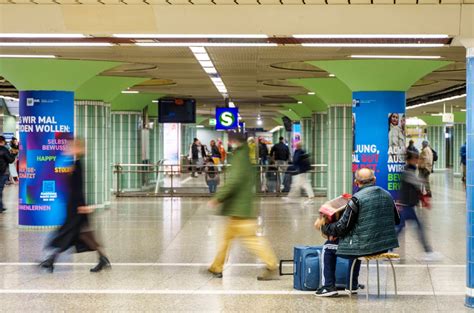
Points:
(378, 122)
(470, 179)
(46, 123)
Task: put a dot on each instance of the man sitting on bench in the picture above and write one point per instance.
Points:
(367, 227)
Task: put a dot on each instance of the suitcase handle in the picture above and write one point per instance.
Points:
(281, 267)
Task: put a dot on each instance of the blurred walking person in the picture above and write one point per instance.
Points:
(409, 198)
(235, 198)
(411, 147)
(463, 155)
(6, 158)
(76, 231)
(425, 166)
(301, 180)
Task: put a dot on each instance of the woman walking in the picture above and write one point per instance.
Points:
(76, 231)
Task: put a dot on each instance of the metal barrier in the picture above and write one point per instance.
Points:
(166, 180)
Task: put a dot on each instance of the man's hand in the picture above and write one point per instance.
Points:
(85, 209)
(320, 222)
(213, 203)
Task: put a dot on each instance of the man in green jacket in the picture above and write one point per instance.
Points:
(367, 227)
(236, 201)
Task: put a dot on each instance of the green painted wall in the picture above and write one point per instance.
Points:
(458, 139)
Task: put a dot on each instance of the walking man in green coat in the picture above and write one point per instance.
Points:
(235, 199)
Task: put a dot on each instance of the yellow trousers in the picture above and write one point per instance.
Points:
(245, 230)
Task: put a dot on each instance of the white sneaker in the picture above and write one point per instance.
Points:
(309, 201)
(432, 257)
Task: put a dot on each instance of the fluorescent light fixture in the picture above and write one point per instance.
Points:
(437, 114)
(277, 128)
(311, 93)
(9, 98)
(373, 45)
(196, 50)
(332, 75)
(463, 110)
(154, 101)
(130, 91)
(28, 56)
(415, 121)
(210, 70)
(192, 36)
(368, 56)
(205, 44)
(436, 101)
(206, 63)
(55, 44)
(259, 122)
(373, 36)
(199, 126)
(231, 104)
(26, 35)
(300, 102)
(202, 56)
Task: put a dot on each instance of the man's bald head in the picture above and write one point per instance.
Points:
(364, 176)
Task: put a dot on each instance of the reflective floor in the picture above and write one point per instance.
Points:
(159, 248)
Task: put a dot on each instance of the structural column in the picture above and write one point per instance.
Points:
(339, 150)
(470, 179)
(307, 135)
(92, 120)
(320, 151)
(437, 140)
(126, 147)
(459, 139)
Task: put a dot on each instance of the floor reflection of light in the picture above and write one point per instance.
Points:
(171, 217)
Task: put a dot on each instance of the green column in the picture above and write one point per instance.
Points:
(459, 138)
(126, 146)
(437, 139)
(156, 141)
(92, 125)
(339, 150)
(307, 134)
(320, 149)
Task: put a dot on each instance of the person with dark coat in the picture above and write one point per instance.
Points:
(411, 147)
(6, 158)
(215, 153)
(197, 155)
(76, 230)
(280, 153)
(262, 151)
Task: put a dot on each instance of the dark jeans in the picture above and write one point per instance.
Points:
(408, 213)
(212, 184)
(3, 180)
(329, 261)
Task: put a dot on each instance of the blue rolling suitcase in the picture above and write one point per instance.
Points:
(307, 269)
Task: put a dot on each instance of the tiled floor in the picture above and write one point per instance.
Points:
(159, 248)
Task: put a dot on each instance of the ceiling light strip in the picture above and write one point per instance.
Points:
(203, 58)
(55, 44)
(373, 45)
(204, 44)
(31, 35)
(368, 56)
(372, 36)
(435, 101)
(191, 36)
(28, 56)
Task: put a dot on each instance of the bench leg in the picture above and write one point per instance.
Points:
(378, 279)
(351, 278)
(367, 290)
(394, 276)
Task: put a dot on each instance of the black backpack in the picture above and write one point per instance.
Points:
(435, 155)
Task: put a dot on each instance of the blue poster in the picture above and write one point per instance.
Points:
(46, 123)
(227, 118)
(378, 122)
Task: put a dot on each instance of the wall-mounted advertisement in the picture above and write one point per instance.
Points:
(46, 123)
(172, 143)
